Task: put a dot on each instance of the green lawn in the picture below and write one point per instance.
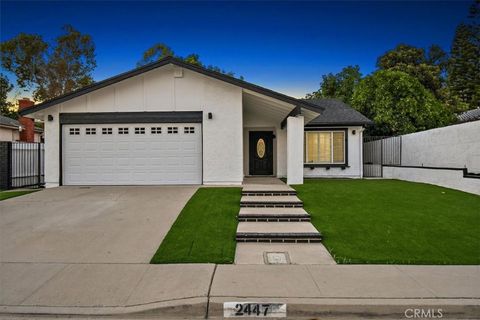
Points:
(391, 221)
(204, 232)
(12, 194)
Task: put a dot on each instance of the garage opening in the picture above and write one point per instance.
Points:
(132, 154)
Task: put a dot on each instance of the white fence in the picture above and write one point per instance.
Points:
(456, 146)
(448, 156)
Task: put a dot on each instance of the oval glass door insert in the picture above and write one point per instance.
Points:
(261, 148)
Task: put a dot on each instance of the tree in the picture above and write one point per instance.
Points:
(50, 70)
(464, 63)
(24, 56)
(427, 67)
(156, 52)
(398, 104)
(161, 50)
(7, 108)
(340, 85)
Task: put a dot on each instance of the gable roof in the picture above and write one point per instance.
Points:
(336, 112)
(161, 63)
(9, 122)
(470, 115)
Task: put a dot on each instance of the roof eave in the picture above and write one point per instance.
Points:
(340, 123)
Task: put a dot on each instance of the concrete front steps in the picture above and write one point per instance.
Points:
(270, 202)
(277, 232)
(268, 190)
(273, 215)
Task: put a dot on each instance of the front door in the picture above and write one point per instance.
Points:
(261, 153)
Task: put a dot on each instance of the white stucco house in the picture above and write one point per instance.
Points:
(171, 122)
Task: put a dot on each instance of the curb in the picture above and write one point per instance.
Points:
(309, 308)
(182, 308)
(195, 308)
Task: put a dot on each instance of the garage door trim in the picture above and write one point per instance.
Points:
(124, 117)
(131, 117)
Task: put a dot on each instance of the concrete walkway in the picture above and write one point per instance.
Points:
(193, 290)
(274, 228)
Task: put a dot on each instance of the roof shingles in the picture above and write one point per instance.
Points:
(337, 112)
(8, 122)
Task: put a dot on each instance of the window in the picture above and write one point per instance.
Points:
(107, 131)
(189, 130)
(139, 130)
(90, 131)
(325, 147)
(122, 130)
(172, 130)
(74, 131)
(156, 130)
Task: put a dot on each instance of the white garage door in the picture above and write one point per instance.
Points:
(132, 154)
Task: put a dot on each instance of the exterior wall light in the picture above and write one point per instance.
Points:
(210, 116)
(354, 131)
(50, 117)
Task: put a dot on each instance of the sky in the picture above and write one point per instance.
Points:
(284, 46)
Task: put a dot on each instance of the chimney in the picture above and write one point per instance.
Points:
(27, 134)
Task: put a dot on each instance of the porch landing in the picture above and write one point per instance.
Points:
(272, 223)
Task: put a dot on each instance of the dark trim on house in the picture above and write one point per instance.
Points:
(339, 124)
(466, 174)
(161, 63)
(325, 165)
(132, 117)
(295, 112)
(329, 165)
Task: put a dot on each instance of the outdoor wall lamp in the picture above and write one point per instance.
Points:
(210, 116)
(354, 131)
(50, 117)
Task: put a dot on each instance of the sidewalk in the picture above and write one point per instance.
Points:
(192, 290)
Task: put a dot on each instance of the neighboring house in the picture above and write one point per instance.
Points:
(171, 122)
(11, 130)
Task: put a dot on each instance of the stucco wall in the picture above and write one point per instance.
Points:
(456, 146)
(159, 90)
(354, 169)
(446, 178)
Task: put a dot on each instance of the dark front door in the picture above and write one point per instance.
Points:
(261, 153)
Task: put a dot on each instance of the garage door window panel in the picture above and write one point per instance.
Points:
(156, 130)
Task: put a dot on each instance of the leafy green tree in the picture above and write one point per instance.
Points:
(156, 52)
(464, 63)
(7, 108)
(340, 85)
(427, 67)
(161, 50)
(50, 70)
(398, 104)
(24, 56)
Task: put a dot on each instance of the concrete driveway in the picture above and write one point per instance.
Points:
(89, 224)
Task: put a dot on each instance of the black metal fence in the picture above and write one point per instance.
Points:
(21, 165)
(379, 151)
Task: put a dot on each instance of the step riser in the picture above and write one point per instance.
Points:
(279, 237)
(267, 240)
(271, 205)
(273, 219)
(268, 193)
